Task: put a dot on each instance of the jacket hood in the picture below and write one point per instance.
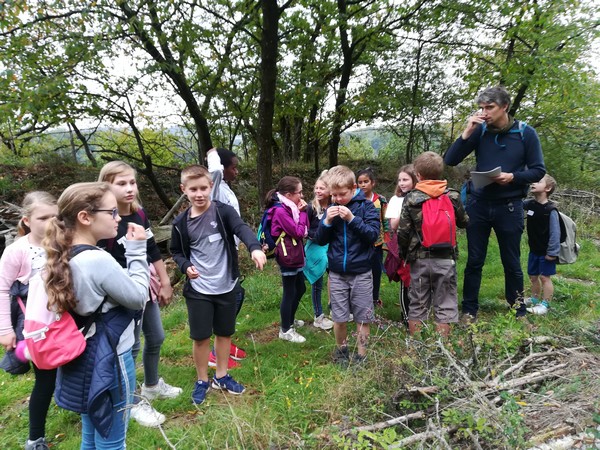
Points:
(433, 188)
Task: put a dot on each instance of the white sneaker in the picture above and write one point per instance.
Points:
(298, 323)
(161, 390)
(144, 414)
(539, 310)
(531, 301)
(351, 318)
(292, 336)
(323, 322)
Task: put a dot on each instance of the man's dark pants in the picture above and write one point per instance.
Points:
(505, 217)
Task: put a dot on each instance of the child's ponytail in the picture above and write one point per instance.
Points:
(59, 282)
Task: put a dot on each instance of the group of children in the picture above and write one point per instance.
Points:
(345, 228)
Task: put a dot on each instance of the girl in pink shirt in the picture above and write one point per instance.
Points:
(19, 262)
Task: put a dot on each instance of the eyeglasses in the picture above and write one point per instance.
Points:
(114, 212)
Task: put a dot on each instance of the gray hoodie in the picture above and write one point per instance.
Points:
(97, 274)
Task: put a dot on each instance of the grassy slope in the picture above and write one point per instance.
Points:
(295, 397)
(294, 393)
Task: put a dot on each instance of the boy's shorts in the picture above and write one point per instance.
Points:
(433, 283)
(539, 265)
(351, 294)
(210, 314)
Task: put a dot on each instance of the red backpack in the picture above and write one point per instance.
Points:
(439, 223)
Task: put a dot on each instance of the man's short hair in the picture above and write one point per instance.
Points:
(496, 94)
(340, 177)
(194, 172)
(551, 183)
(429, 166)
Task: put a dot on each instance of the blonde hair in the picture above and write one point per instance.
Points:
(59, 239)
(408, 169)
(340, 177)
(429, 166)
(315, 203)
(551, 183)
(111, 170)
(30, 201)
(194, 172)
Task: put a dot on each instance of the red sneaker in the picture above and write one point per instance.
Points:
(236, 353)
(231, 364)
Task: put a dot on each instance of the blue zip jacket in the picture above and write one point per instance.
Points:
(351, 243)
(84, 384)
(518, 152)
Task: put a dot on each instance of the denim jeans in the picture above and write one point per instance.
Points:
(122, 397)
(316, 290)
(505, 217)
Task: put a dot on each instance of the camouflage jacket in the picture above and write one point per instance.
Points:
(411, 218)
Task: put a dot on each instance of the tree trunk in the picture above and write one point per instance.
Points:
(312, 142)
(86, 144)
(297, 138)
(341, 94)
(266, 104)
(413, 115)
(170, 68)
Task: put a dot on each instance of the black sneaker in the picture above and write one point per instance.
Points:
(341, 356)
(358, 360)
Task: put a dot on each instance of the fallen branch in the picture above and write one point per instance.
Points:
(520, 365)
(551, 434)
(421, 437)
(386, 424)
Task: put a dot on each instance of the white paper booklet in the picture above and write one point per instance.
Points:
(482, 179)
(394, 207)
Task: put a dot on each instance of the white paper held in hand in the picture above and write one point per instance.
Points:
(482, 179)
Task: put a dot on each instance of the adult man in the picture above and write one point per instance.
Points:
(498, 140)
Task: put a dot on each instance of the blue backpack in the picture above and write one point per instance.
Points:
(264, 236)
(520, 129)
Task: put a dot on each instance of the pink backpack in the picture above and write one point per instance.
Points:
(52, 339)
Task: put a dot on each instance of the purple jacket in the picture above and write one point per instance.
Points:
(282, 220)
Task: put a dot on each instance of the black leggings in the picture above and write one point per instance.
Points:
(39, 402)
(293, 290)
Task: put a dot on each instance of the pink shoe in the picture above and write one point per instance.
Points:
(236, 353)
(231, 364)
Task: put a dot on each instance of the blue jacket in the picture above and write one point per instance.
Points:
(351, 243)
(515, 152)
(84, 385)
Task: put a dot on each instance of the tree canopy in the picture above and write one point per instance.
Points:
(281, 81)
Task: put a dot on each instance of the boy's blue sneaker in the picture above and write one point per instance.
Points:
(229, 384)
(200, 390)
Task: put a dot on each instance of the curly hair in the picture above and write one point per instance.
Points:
(59, 239)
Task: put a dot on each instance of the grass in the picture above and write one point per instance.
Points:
(297, 399)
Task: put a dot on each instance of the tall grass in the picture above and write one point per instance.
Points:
(296, 398)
